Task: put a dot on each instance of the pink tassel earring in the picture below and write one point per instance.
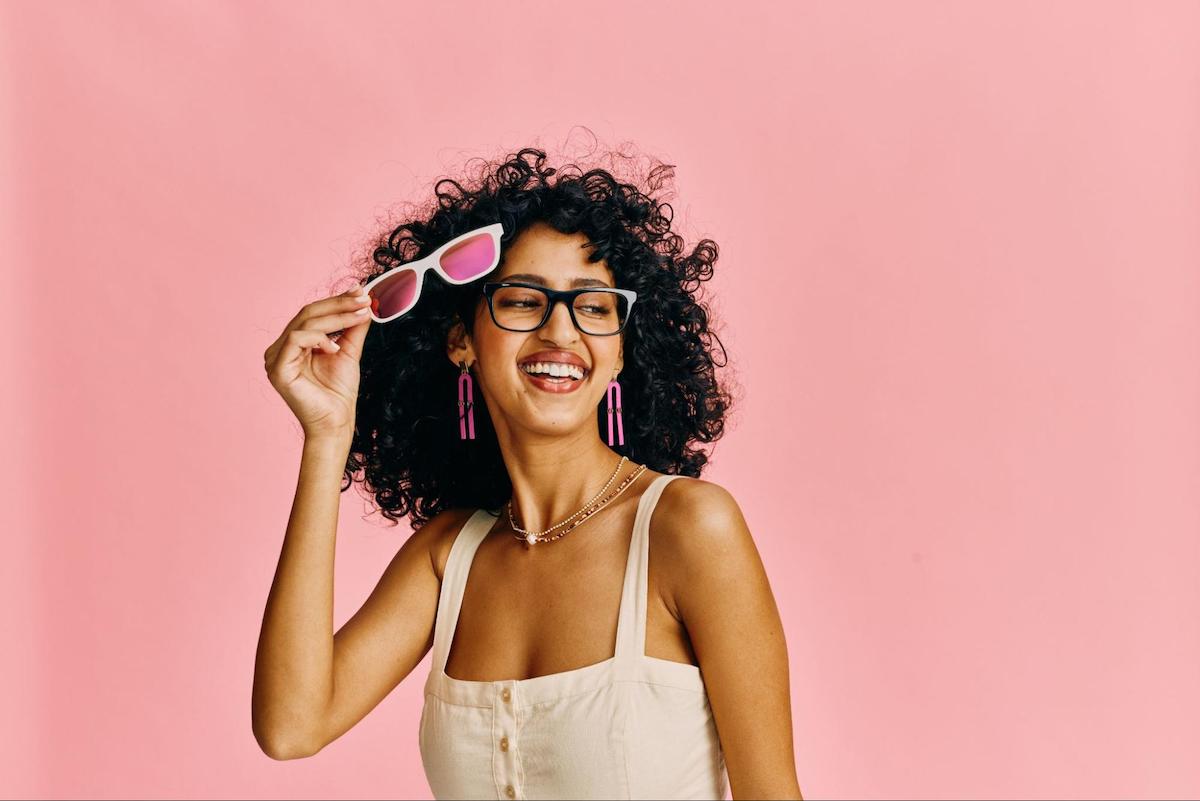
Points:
(614, 391)
(466, 406)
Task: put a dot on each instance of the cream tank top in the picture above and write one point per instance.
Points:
(632, 726)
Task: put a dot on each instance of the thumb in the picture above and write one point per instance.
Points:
(351, 340)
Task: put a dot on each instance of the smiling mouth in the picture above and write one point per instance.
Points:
(557, 384)
(574, 373)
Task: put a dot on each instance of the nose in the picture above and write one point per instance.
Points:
(559, 327)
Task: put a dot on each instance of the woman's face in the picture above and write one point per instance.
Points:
(530, 403)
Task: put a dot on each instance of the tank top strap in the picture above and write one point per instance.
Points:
(631, 622)
(454, 582)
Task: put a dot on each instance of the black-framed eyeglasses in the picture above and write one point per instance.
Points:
(596, 311)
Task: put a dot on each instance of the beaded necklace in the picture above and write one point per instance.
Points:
(534, 537)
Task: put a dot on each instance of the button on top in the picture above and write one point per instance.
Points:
(503, 743)
(506, 695)
(510, 792)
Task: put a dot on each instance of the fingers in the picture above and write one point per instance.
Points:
(335, 322)
(343, 321)
(325, 315)
(351, 299)
(294, 345)
(353, 323)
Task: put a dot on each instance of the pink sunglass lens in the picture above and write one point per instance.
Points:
(394, 294)
(470, 258)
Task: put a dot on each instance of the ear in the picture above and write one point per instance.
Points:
(459, 348)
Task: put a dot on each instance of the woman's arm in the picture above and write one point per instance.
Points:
(720, 589)
(311, 686)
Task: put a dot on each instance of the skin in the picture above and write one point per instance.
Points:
(710, 603)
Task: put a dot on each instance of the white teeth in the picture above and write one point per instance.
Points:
(555, 369)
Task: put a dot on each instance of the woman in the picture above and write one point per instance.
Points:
(600, 622)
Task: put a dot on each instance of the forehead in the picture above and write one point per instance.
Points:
(542, 255)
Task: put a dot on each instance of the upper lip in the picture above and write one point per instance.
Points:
(559, 356)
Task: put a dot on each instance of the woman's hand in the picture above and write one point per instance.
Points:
(317, 377)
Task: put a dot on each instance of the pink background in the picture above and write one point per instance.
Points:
(958, 280)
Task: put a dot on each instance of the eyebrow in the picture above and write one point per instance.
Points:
(541, 279)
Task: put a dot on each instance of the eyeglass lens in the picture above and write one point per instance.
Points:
(470, 258)
(519, 308)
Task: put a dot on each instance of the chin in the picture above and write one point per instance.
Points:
(553, 422)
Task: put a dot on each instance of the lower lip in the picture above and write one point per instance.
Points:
(558, 387)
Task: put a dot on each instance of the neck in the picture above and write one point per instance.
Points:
(554, 478)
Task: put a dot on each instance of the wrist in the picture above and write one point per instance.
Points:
(338, 437)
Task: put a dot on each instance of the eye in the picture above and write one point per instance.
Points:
(594, 303)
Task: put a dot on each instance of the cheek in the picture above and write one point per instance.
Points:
(608, 359)
(497, 351)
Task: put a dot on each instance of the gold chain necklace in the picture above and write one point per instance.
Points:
(525, 534)
(533, 537)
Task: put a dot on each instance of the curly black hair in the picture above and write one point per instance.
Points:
(406, 439)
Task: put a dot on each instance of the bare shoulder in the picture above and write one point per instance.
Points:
(439, 533)
(697, 515)
(699, 531)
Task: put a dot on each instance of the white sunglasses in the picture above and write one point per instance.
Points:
(462, 260)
